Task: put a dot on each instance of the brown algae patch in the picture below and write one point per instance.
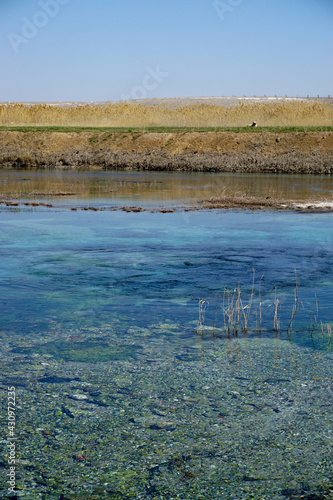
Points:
(244, 202)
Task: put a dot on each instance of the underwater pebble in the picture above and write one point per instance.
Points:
(79, 397)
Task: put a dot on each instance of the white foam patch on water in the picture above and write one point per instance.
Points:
(317, 204)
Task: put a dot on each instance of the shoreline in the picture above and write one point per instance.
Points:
(240, 152)
(251, 203)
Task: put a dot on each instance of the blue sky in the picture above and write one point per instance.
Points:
(94, 50)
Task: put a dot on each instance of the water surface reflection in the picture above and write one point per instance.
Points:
(160, 188)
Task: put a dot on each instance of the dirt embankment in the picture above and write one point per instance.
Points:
(285, 152)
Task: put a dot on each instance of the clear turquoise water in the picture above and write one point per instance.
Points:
(105, 305)
(63, 269)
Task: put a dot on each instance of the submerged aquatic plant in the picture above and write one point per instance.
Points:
(240, 316)
(295, 306)
(203, 304)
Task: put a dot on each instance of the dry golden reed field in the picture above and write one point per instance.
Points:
(275, 114)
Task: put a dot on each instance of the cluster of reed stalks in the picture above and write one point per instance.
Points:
(125, 114)
(236, 314)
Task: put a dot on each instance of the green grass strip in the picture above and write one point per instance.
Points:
(144, 130)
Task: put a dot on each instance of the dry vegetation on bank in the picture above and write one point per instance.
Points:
(270, 152)
(281, 114)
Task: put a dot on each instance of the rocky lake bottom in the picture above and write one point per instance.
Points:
(171, 418)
